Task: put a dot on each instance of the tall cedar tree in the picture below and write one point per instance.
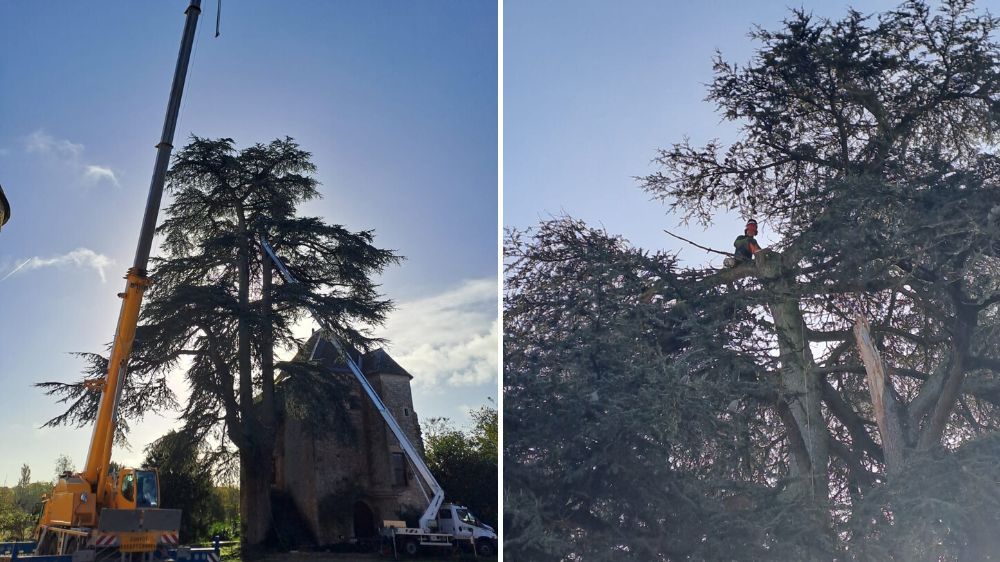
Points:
(865, 143)
(216, 312)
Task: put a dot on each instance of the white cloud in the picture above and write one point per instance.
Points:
(450, 338)
(97, 173)
(70, 154)
(44, 143)
(80, 257)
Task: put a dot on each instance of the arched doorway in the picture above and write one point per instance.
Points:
(364, 521)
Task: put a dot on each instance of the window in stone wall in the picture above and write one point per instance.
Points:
(398, 469)
(406, 412)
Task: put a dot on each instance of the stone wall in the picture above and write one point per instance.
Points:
(332, 480)
(395, 393)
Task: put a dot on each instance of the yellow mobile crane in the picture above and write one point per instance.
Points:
(92, 509)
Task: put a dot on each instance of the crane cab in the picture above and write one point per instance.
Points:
(73, 503)
(136, 489)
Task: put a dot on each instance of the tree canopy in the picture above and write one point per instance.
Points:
(215, 313)
(659, 412)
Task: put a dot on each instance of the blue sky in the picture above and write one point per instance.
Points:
(397, 101)
(591, 90)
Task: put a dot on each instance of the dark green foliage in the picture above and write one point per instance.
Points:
(465, 463)
(185, 483)
(225, 530)
(210, 303)
(317, 398)
(486, 430)
(226, 521)
(899, 96)
(145, 391)
(15, 523)
(628, 431)
(943, 507)
(20, 506)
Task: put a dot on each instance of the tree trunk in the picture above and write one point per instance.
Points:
(255, 457)
(800, 384)
(255, 500)
(244, 360)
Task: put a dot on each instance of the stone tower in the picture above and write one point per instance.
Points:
(342, 490)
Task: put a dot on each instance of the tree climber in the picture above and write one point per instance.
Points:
(746, 245)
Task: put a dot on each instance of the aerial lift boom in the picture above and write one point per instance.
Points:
(89, 500)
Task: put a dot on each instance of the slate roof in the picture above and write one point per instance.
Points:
(375, 362)
(379, 361)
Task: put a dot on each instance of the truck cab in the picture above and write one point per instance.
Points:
(458, 521)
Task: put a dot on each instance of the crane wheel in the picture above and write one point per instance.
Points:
(411, 547)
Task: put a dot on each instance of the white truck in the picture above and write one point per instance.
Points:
(459, 522)
(455, 525)
(441, 525)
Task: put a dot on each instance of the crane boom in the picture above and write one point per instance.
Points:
(95, 470)
(430, 514)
